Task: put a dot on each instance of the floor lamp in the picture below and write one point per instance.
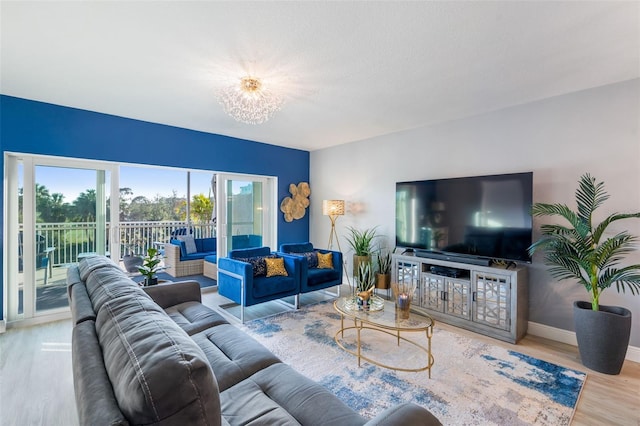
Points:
(333, 209)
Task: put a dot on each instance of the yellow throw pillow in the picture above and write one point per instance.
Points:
(275, 267)
(325, 260)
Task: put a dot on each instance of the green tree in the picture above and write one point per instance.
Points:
(84, 207)
(140, 209)
(57, 209)
(125, 201)
(201, 209)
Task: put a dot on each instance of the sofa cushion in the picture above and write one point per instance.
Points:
(325, 260)
(232, 354)
(181, 244)
(193, 317)
(321, 276)
(245, 241)
(297, 248)
(312, 259)
(157, 371)
(194, 256)
(207, 244)
(275, 267)
(258, 264)
(189, 243)
(212, 258)
(249, 252)
(92, 263)
(280, 395)
(264, 287)
(105, 284)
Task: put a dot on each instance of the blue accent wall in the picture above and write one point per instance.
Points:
(40, 128)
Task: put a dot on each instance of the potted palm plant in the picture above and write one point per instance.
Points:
(362, 244)
(580, 251)
(150, 266)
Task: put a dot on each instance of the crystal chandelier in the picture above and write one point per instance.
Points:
(250, 101)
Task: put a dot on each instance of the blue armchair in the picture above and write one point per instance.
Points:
(242, 278)
(314, 278)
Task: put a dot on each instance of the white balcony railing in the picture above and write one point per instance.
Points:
(68, 240)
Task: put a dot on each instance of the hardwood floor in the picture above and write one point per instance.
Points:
(36, 383)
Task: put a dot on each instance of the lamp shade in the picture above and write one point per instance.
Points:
(333, 207)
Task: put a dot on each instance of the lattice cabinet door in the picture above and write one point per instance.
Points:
(432, 292)
(407, 272)
(492, 299)
(458, 298)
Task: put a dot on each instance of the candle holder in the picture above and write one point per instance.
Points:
(403, 295)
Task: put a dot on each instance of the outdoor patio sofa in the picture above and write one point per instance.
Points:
(159, 356)
(202, 258)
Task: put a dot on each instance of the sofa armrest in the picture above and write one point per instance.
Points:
(95, 400)
(171, 254)
(406, 414)
(171, 294)
(234, 278)
(293, 264)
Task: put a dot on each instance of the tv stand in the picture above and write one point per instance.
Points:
(490, 300)
(453, 257)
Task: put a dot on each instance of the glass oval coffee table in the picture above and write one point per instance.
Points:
(384, 321)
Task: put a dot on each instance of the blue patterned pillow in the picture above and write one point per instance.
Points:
(258, 263)
(312, 258)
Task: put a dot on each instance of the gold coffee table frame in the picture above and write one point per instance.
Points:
(384, 321)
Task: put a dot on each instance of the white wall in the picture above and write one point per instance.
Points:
(595, 131)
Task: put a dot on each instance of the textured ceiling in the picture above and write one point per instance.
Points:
(349, 70)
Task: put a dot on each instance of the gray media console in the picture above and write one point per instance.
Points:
(489, 300)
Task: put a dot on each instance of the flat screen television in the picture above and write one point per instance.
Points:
(470, 218)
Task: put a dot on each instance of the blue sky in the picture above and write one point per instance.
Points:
(148, 182)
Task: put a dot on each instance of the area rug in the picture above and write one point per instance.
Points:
(472, 382)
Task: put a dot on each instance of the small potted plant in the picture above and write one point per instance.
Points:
(383, 275)
(581, 251)
(365, 283)
(150, 266)
(361, 243)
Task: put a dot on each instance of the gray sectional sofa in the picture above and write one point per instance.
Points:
(157, 356)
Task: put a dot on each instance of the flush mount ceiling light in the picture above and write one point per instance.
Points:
(250, 101)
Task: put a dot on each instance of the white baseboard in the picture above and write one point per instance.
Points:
(569, 337)
(3, 326)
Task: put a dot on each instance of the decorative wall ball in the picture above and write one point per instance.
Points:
(294, 207)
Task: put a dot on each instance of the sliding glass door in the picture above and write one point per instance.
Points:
(61, 215)
(246, 218)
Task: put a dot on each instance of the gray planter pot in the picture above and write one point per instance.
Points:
(603, 336)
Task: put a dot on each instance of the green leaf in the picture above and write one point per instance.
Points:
(576, 250)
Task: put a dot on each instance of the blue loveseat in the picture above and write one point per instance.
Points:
(242, 279)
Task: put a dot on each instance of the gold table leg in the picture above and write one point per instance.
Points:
(429, 335)
(358, 330)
